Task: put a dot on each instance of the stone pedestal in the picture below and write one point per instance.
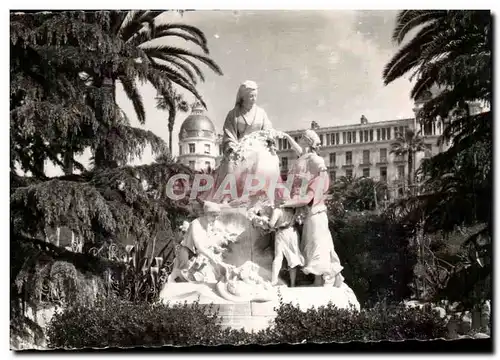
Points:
(250, 245)
(253, 315)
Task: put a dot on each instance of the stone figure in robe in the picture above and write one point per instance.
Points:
(244, 119)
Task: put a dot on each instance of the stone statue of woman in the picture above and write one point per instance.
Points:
(244, 119)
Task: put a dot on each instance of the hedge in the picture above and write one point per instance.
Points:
(118, 323)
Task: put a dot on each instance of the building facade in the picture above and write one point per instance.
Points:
(363, 149)
(198, 141)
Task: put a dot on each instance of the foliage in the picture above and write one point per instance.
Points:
(42, 273)
(407, 145)
(451, 51)
(145, 274)
(64, 69)
(382, 322)
(104, 204)
(171, 102)
(117, 323)
(358, 194)
(376, 254)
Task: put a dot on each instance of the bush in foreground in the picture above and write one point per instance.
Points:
(118, 323)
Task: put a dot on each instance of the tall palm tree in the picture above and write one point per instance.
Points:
(147, 56)
(407, 145)
(451, 49)
(172, 104)
(160, 64)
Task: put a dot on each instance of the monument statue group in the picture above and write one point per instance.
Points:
(238, 244)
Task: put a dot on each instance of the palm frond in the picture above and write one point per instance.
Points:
(135, 97)
(407, 20)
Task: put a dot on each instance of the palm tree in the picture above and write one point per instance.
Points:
(450, 50)
(407, 145)
(140, 33)
(172, 104)
(161, 65)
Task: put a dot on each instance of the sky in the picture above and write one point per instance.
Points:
(322, 65)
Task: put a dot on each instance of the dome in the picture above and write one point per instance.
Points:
(198, 121)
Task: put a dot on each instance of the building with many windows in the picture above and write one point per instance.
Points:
(199, 146)
(363, 149)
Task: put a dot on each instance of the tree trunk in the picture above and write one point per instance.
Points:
(68, 162)
(101, 158)
(171, 122)
(170, 141)
(410, 169)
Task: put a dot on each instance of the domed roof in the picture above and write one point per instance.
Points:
(197, 121)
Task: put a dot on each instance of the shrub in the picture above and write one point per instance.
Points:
(118, 323)
(383, 322)
(378, 261)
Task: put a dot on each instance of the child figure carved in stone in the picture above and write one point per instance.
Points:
(286, 243)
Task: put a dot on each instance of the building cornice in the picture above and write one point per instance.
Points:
(355, 126)
(183, 156)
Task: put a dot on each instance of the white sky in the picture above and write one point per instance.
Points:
(323, 65)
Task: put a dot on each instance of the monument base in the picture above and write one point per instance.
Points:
(253, 315)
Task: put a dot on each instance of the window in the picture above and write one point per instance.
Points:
(328, 140)
(333, 176)
(337, 138)
(396, 132)
(348, 173)
(348, 158)
(180, 149)
(366, 157)
(354, 136)
(349, 137)
(366, 135)
(191, 148)
(333, 159)
(383, 174)
(284, 163)
(366, 172)
(383, 155)
(207, 165)
(371, 135)
(401, 172)
(333, 139)
(378, 134)
(344, 140)
(388, 133)
(360, 135)
(296, 138)
(191, 164)
(207, 149)
(320, 140)
(383, 133)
